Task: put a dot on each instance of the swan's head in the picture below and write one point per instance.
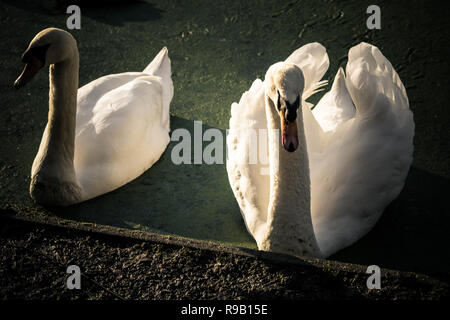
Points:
(284, 85)
(50, 46)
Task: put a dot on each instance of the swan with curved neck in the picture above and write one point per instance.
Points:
(90, 130)
(289, 216)
(53, 178)
(332, 170)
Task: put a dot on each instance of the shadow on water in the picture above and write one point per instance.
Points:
(412, 233)
(193, 201)
(111, 12)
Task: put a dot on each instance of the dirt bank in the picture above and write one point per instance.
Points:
(122, 264)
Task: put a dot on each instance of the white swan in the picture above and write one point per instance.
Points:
(119, 129)
(353, 152)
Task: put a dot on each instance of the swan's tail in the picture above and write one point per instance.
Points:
(161, 67)
(372, 81)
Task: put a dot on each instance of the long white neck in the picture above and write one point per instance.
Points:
(54, 163)
(289, 225)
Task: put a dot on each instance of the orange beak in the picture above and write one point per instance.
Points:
(289, 135)
(30, 70)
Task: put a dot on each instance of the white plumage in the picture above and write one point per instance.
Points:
(359, 141)
(122, 126)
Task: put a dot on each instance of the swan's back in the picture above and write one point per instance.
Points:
(122, 126)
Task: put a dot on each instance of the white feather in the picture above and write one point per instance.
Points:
(122, 126)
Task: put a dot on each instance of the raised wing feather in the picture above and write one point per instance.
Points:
(364, 163)
(313, 60)
(336, 105)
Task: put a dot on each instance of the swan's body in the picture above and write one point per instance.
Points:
(357, 154)
(103, 136)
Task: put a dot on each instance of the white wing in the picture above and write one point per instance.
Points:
(336, 106)
(365, 158)
(313, 60)
(122, 126)
(248, 177)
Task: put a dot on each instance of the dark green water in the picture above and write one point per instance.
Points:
(217, 50)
